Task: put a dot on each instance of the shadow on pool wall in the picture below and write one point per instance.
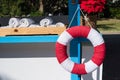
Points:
(111, 67)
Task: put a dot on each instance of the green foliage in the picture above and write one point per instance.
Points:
(115, 12)
(15, 8)
(3, 8)
(115, 9)
(55, 6)
(32, 8)
(112, 10)
(18, 7)
(36, 13)
(118, 16)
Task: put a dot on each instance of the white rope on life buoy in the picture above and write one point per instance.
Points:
(86, 32)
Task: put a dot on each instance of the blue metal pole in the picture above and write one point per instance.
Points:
(75, 54)
(75, 45)
(72, 9)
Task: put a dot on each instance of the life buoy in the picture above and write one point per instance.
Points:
(80, 31)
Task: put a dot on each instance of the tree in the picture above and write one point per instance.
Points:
(32, 7)
(55, 7)
(4, 8)
(112, 9)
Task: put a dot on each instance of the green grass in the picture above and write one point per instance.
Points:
(108, 25)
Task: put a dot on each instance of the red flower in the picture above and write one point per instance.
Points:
(92, 6)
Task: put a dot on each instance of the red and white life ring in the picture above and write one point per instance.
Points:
(86, 32)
